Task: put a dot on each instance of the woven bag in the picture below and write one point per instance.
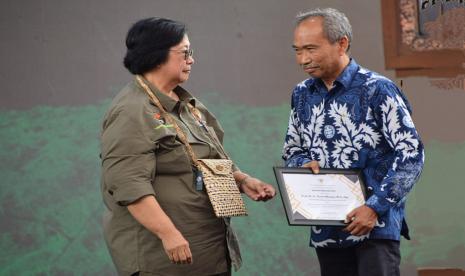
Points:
(221, 187)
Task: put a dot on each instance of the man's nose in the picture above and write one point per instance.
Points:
(305, 58)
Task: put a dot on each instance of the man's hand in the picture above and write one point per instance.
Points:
(257, 190)
(313, 165)
(362, 220)
(176, 247)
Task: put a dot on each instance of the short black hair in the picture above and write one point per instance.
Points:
(148, 42)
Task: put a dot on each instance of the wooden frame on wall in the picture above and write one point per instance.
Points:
(412, 54)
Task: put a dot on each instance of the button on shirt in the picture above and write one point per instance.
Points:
(363, 122)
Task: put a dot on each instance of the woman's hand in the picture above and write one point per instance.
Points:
(257, 190)
(253, 187)
(148, 212)
(176, 247)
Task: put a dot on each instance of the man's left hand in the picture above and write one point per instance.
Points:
(361, 221)
(257, 190)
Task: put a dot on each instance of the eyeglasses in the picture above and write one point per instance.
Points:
(187, 53)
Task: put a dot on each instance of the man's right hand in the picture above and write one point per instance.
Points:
(176, 247)
(313, 165)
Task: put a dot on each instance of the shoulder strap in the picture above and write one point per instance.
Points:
(197, 115)
(169, 119)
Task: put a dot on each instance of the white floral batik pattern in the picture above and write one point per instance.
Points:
(402, 141)
(317, 146)
(358, 238)
(353, 137)
(324, 243)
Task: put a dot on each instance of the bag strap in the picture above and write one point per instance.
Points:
(172, 121)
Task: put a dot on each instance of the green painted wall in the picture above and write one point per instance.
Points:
(50, 206)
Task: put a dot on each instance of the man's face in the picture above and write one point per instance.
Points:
(317, 56)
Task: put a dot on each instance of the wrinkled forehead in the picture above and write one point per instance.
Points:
(309, 31)
(311, 25)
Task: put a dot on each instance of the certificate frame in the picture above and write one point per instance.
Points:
(300, 220)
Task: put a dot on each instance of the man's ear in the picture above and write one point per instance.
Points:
(343, 45)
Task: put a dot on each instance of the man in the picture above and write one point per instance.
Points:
(348, 117)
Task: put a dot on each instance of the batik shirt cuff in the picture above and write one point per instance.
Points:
(297, 161)
(379, 204)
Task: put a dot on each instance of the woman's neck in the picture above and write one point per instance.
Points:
(161, 83)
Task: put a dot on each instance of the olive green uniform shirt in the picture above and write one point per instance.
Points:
(142, 155)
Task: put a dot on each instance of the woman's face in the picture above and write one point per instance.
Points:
(178, 65)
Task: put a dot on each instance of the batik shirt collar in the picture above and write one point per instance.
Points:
(344, 79)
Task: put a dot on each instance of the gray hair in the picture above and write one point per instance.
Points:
(335, 23)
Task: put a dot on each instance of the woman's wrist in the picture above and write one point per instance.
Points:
(243, 179)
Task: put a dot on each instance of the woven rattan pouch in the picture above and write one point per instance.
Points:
(221, 187)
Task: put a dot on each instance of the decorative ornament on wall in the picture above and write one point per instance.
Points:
(439, 24)
(450, 83)
(426, 38)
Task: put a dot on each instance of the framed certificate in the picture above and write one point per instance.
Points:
(319, 199)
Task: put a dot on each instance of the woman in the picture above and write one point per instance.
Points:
(158, 221)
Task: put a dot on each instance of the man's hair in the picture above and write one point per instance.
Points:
(335, 23)
(148, 43)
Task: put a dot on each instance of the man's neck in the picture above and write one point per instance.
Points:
(329, 82)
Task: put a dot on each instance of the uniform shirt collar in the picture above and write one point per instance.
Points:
(168, 103)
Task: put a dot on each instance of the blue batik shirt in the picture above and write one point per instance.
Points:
(364, 122)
